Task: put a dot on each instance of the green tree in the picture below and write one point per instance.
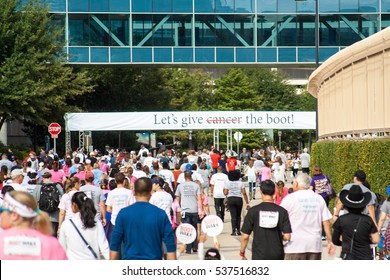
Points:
(35, 83)
(235, 91)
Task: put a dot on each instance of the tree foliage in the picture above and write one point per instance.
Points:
(35, 83)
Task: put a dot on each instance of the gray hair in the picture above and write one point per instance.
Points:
(303, 180)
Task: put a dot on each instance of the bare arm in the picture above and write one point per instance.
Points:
(244, 243)
(114, 255)
(382, 220)
(371, 212)
(328, 232)
(375, 238)
(61, 218)
(171, 256)
(103, 212)
(286, 236)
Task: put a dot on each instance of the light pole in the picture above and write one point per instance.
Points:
(280, 138)
(190, 139)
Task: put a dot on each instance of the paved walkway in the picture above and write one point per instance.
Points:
(230, 245)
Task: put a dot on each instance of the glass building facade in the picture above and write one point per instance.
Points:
(213, 31)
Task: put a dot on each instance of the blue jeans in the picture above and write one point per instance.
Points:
(192, 219)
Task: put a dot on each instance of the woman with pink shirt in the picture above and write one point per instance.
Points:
(66, 167)
(280, 192)
(27, 234)
(57, 174)
(265, 172)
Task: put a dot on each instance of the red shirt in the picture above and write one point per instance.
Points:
(231, 164)
(214, 160)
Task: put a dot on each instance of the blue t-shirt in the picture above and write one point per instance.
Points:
(142, 227)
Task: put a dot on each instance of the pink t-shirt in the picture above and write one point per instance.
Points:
(29, 244)
(265, 173)
(205, 202)
(80, 175)
(278, 198)
(66, 169)
(56, 176)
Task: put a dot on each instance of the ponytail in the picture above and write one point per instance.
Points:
(42, 223)
(86, 208)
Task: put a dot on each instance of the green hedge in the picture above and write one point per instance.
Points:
(340, 159)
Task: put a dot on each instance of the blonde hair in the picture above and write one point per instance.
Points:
(42, 221)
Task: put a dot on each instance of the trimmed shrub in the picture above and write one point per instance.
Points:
(340, 159)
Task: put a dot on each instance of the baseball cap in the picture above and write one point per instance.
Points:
(89, 175)
(189, 167)
(16, 172)
(46, 173)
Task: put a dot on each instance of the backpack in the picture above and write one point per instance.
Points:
(49, 198)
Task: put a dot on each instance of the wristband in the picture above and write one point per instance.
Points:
(242, 254)
(336, 215)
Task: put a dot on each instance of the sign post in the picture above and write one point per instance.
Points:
(238, 137)
(54, 130)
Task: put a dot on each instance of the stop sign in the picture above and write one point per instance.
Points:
(54, 129)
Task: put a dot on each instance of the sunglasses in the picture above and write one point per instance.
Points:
(5, 210)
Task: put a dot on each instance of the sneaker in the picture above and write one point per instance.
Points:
(238, 232)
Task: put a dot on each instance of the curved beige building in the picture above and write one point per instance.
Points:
(353, 90)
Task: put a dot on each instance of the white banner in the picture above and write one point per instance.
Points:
(189, 120)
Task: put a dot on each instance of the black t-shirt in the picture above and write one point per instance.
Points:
(344, 227)
(267, 221)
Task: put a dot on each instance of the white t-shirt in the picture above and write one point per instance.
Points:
(66, 204)
(307, 210)
(219, 180)
(18, 187)
(139, 174)
(162, 200)
(305, 160)
(168, 177)
(119, 198)
(195, 176)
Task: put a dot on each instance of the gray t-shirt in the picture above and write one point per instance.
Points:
(385, 208)
(94, 193)
(235, 188)
(188, 192)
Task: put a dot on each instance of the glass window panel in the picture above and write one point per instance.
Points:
(204, 55)
(98, 34)
(245, 55)
(306, 54)
(266, 55)
(204, 6)
(162, 55)
(267, 6)
(329, 6)
(79, 31)
(205, 31)
(385, 6)
(183, 30)
(368, 24)
(287, 6)
(224, 30)
(142, 24)
(349, 6)
(325, 53)
(56, 5)
(182, 55)
(308, 6)
(160, 6)
(225, 55)
(58, 20)
(244, 6)
(99, 55)
(287, 30)
(329, 30)
(243, 27)
(165, 34)
(349, 24)
(78, 54)
(305, 30)
(142, 5)
(99, 6)
(266, 30)
(120, 55)
(182, 6)
(224, 6)
(119, 6)
(370, 6)
(287, 55)
(385, 21)
(78, 5)
(119, 26)
(142, 54)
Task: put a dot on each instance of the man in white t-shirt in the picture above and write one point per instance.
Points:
(118, 198)
(167, 175)
(17, 177)
(217, 183)
(138, 173)
(195, 175)
(305, 161)
(308, 213)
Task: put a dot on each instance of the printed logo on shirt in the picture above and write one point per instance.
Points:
(22, 245)
(268, 219)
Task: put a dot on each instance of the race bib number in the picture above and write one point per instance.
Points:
(268, 219)
(22, 245)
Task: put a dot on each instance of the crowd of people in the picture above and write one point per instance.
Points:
(120, 204)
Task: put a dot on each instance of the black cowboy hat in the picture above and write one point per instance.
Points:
(354, 197)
